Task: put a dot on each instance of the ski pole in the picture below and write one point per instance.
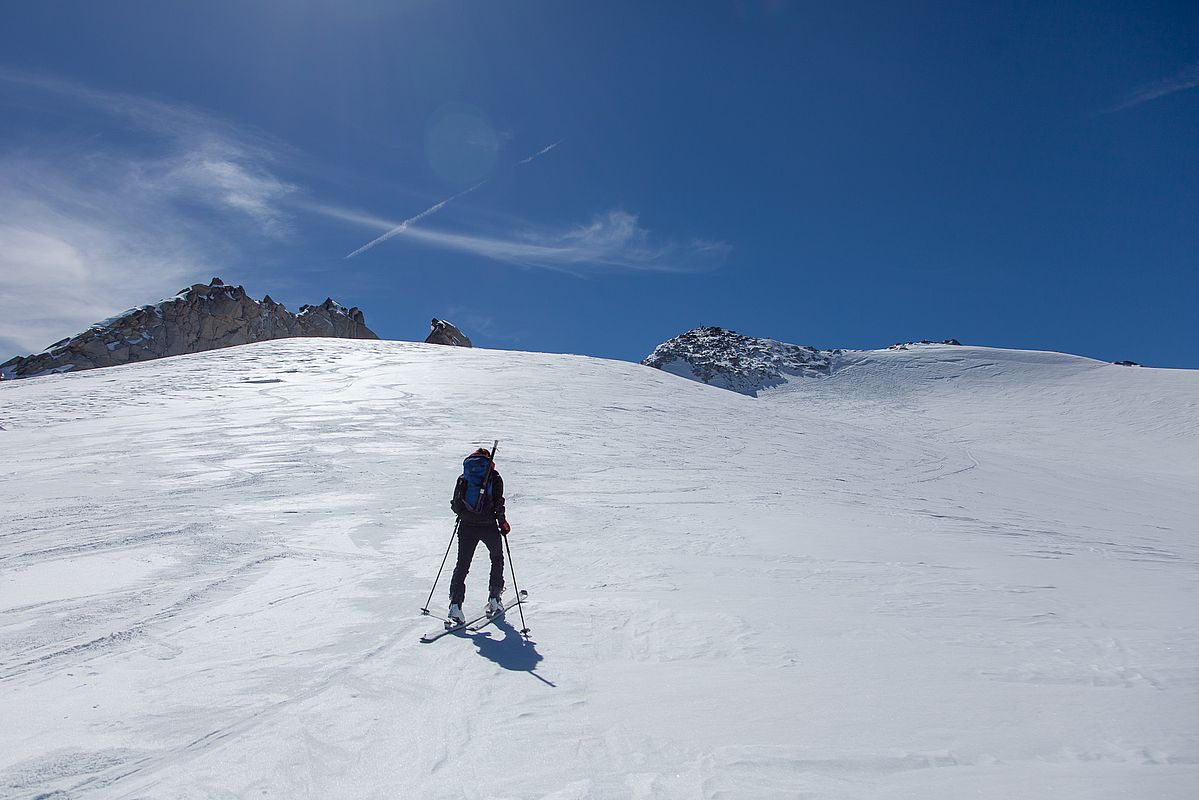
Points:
(524, 629)
(439, 569)
(490, 466)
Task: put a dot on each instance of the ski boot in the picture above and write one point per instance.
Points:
(456, 617)
(494, 606)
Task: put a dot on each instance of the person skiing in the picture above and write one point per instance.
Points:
(479, 503)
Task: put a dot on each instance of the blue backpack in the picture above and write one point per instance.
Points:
(476, 483)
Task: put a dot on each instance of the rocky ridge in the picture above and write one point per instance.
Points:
(199, 318)
(446, 332)
(743, 364)
(907, 345)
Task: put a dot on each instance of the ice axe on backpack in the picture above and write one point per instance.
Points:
(478, 504)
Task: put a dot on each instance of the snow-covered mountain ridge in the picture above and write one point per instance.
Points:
(743, 364)
(933, 573)
(752, 365)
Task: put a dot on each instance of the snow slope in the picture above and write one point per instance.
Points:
(935, 573)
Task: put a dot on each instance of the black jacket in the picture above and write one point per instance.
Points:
(493, 510)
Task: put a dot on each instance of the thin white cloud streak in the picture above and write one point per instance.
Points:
(351, 215)
(538, 154)
(614, 239)
(610, 240)
(1187, 78)
(403, 226)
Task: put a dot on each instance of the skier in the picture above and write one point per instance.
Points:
(479, 503)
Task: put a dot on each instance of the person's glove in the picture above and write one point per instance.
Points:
(505, 527)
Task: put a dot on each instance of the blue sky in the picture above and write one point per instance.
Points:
(840, 175)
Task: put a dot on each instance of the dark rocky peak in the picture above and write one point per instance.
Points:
(200, 317)
(445, 332)
(331, 318)
(730, 360)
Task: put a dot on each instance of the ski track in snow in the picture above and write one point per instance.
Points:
(938, 573)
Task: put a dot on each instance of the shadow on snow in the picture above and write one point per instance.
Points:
(513, 652)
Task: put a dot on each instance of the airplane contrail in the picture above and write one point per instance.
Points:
(433, 209)
(539, 153)
(398, 229)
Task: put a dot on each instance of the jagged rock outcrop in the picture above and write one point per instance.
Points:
(740, 363)
(334, 320)
(199, 318)
(445, 332)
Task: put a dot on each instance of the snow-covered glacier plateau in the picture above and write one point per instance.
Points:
(936, 572)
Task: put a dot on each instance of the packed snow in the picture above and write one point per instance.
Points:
(934, 573)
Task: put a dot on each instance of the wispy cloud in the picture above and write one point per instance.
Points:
(403, 226)
(1186, 78)
(90, 226)
(235, 184)
(613, 239)
(73, 252)
(538, 154)
(187, 153)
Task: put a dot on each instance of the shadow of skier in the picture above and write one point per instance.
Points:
(513, 652)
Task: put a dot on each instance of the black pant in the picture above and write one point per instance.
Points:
(469, 537)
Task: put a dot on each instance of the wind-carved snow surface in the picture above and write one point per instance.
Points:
(943, 572)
